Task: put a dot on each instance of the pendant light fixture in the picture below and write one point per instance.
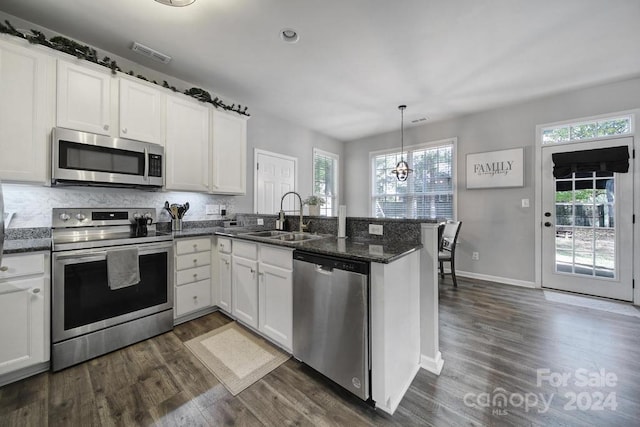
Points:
(402, 171)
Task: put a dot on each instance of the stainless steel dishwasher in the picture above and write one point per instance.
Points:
(331, 319)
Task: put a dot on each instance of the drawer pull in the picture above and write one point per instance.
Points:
(35, 291)
(195, 261)
(195, 275)
(195, 246)
(195, 298)
(4, 268)
(105, 127)
(226, 262)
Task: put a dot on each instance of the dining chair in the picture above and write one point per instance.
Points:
(447, 248)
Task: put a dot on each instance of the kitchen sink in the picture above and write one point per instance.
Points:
(268, 233)
(296, 237)
(284, 236)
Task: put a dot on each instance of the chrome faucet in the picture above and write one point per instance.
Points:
(302, 225)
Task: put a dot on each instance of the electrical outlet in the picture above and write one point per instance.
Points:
(475, 256)
(212, 209)
(525, 203)
(260, 221)
(375, 229)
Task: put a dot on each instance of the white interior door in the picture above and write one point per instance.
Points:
(587, 233)
(275, 175)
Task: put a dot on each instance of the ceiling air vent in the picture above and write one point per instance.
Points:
(150, 53)
(421, 119)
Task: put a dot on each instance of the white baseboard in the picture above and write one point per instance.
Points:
(505, 280)
(431, 364)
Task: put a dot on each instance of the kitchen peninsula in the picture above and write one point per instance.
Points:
(398, 323)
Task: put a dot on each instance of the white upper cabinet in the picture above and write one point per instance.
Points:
(228, 153)
(141, 112)
(84, 98)
(27, 112)
(187, 145)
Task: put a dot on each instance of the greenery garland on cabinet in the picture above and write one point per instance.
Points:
(63, 44)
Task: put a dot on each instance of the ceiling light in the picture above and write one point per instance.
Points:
(402, 171)
(176, 3)
(289, 35)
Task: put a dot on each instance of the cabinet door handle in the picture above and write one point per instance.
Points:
(195, 261)
(195, 275)
(124, 130)
(195, 247)
(106, 127)
(4, 268)
(226, 262)
(35, 291)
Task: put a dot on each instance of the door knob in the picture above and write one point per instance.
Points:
(547, 224)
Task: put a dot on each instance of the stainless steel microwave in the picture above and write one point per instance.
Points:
(81, 158)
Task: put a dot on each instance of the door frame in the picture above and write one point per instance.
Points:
(635, 118)
(258, 151)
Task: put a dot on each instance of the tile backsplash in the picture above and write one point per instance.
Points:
(31, 204)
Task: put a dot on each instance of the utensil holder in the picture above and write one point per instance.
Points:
(176, 224)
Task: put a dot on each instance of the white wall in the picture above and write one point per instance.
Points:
(276, 135)
(494, 223)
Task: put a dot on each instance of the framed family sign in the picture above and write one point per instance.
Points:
(496, 169)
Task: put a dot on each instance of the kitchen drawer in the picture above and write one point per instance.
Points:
(22, 265)
(192, 297)
(224, 245)
(277, 257)
(245, 249)
(193, 275)
(189, 246)
(197, 259)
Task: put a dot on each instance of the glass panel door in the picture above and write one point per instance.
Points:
(585, 224)
(587, 227)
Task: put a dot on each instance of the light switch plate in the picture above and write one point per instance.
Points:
(375, 229)
(525, 203)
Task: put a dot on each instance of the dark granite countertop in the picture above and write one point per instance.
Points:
(14, 246)
(382, 251)
(373, 250)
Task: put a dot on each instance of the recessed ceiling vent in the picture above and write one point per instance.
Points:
(420, 120)
(150, 53)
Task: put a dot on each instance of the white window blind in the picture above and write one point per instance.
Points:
(428, 193)
(325, 180)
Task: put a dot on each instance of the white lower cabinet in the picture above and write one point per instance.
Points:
(262, 287)
(192, 297)
(224, 274)
(276, 309)
(245, 290)
(193, 290)
(24, 314)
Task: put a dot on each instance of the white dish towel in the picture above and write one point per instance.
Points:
(123, 269)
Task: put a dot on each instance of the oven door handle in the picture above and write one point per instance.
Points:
(88, 257)
(146, 164)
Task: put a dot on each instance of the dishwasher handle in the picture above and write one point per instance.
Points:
(324, 270)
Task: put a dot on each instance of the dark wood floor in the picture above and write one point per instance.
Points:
(493, 338)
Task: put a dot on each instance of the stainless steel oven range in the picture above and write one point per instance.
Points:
(112, 275)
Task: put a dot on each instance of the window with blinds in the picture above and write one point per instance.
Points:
(428, 193)
(325, 180)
